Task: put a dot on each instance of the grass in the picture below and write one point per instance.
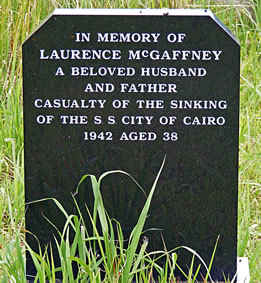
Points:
(20, 18)
(114, 263)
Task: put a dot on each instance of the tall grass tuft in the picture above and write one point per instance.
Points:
(100, 256)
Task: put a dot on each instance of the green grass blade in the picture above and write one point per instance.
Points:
(136, 233)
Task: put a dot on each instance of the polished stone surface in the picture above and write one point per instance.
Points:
(196, 196)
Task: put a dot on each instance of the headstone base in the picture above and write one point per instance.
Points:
(243, 275)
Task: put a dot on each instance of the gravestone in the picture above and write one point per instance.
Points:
(120, 89)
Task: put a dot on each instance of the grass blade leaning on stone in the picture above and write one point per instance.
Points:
(136, 232)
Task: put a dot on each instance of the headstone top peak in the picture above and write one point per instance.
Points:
(145, 12)
(139, 12)
(135, 12)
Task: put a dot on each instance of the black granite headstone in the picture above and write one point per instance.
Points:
(120, 89)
